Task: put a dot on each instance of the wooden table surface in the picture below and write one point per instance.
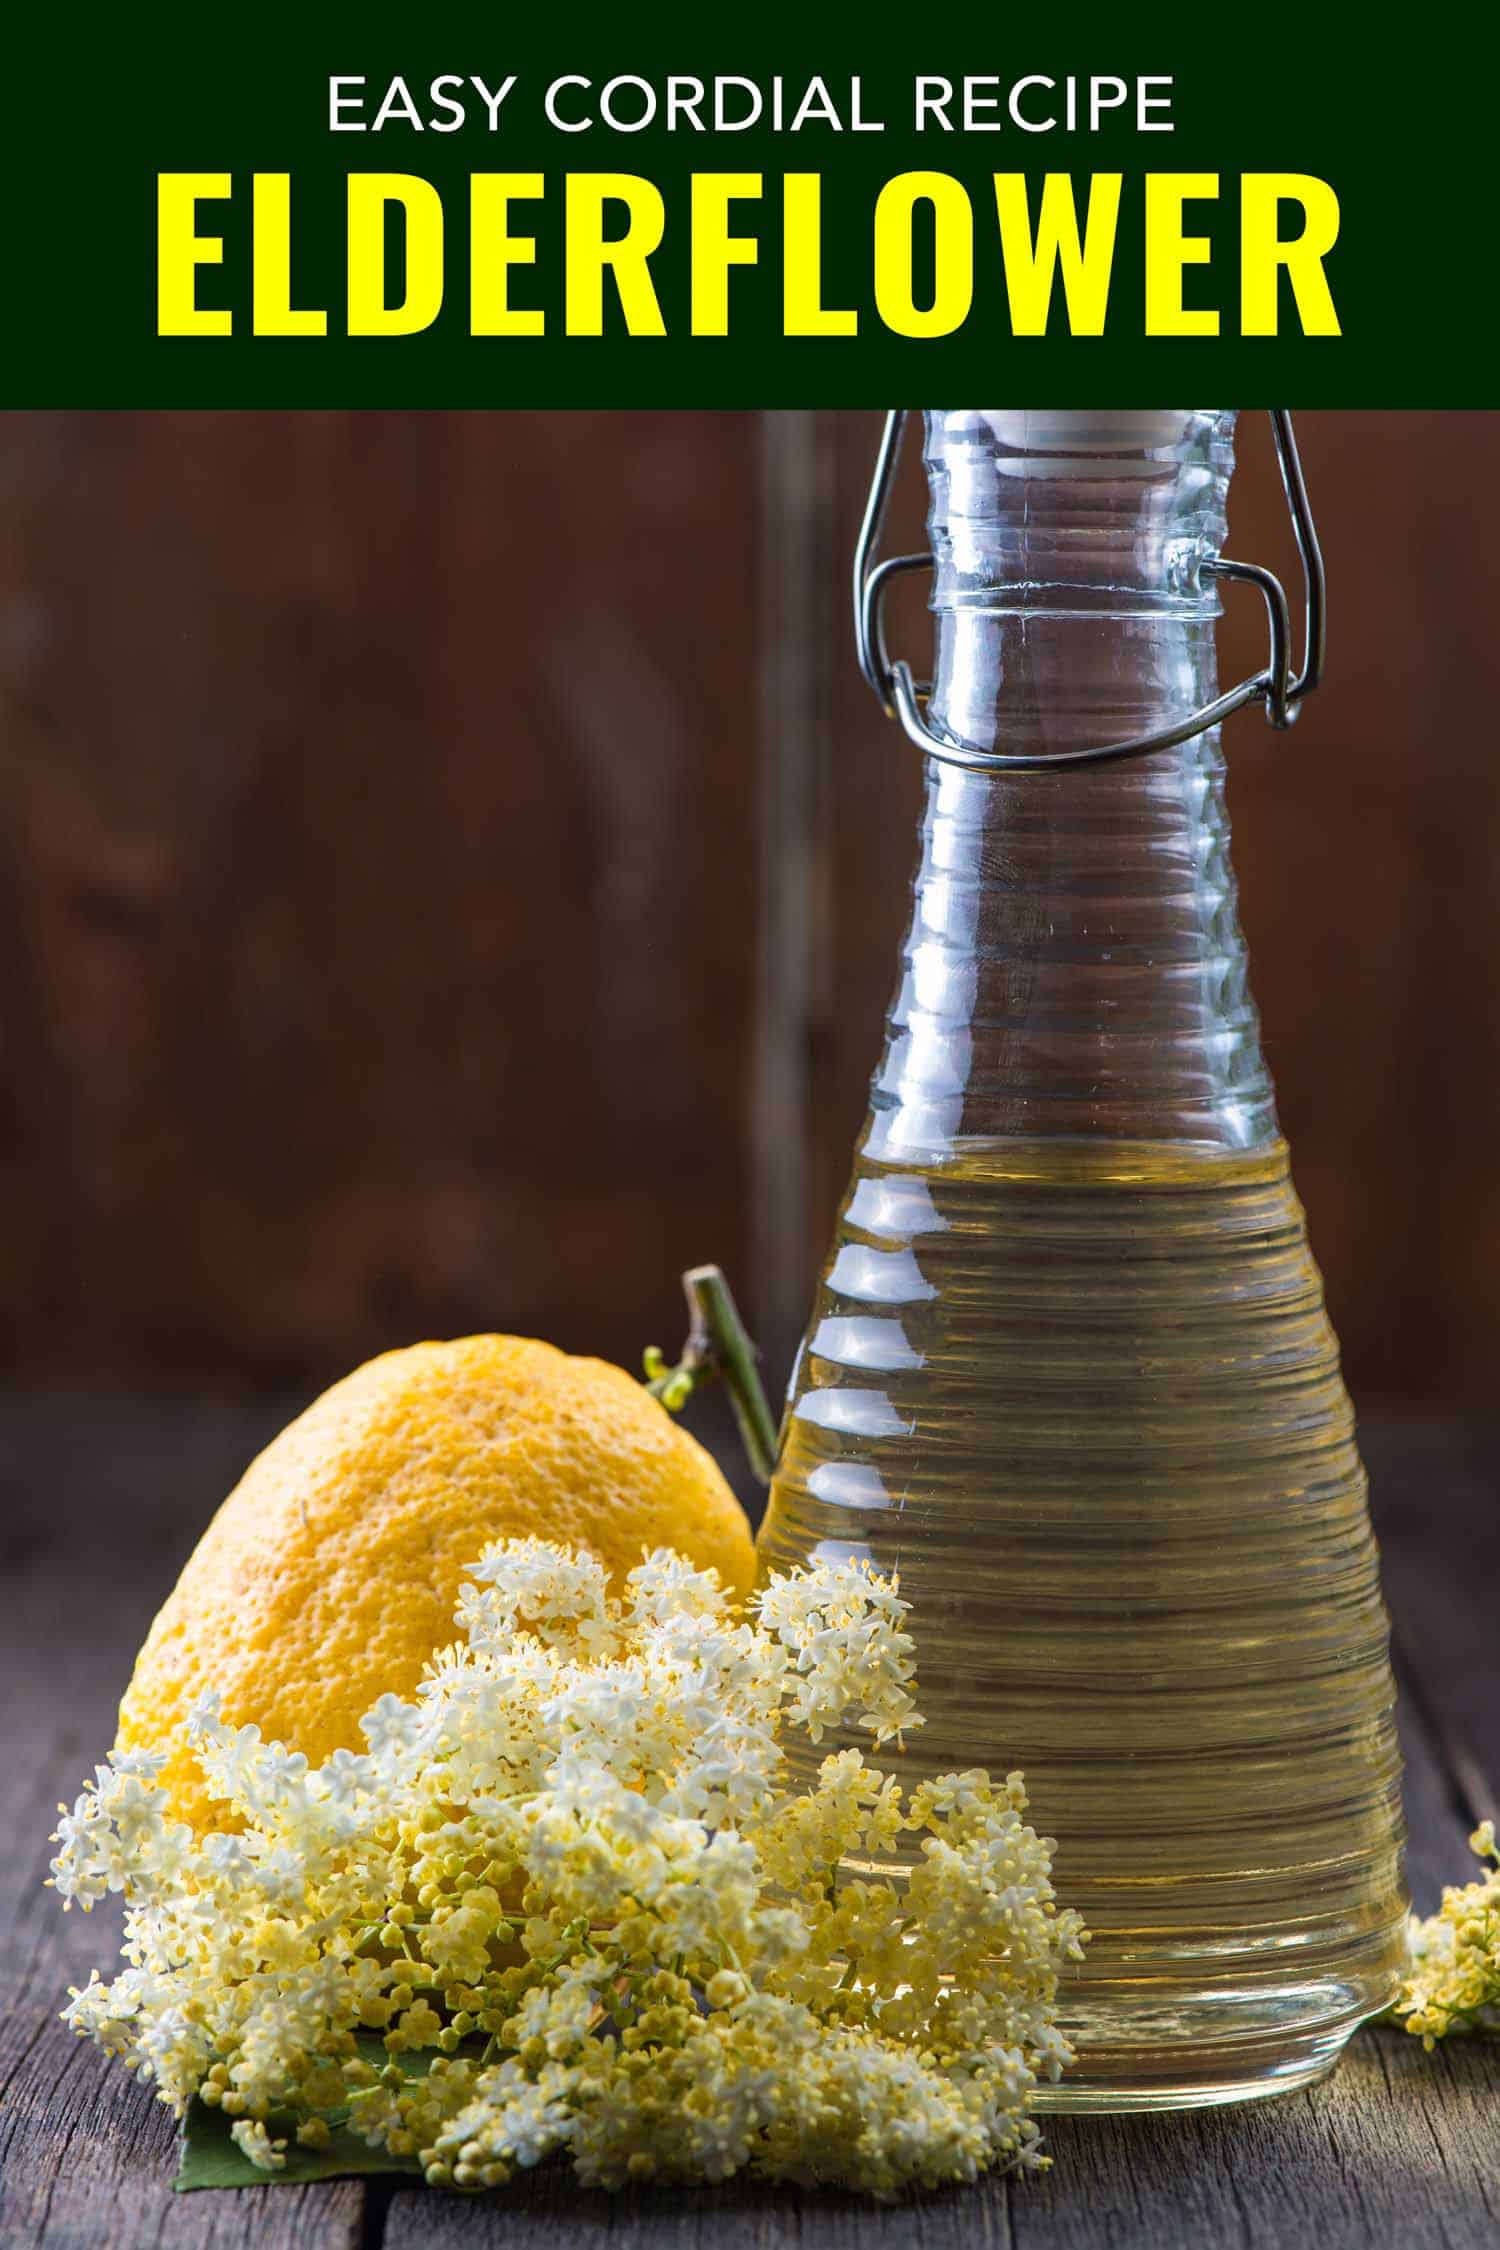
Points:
(102, 1500)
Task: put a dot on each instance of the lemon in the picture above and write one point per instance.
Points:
(331, 1572)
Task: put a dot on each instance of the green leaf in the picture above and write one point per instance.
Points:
(209, 2158)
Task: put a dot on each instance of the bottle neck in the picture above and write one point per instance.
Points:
(1074, 963)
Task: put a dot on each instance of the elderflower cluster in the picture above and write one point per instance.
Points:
(575, 1888)
(1453, 1976)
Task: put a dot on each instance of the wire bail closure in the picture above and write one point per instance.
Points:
(903, 697)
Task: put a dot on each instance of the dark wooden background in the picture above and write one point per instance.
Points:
(452, 873)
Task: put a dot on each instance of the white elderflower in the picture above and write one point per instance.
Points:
(1453, 1966)
(393, 1728)
(666, 1585)
(251, 2136)
(853, 1664)
(570, 1883)
(526, 1584)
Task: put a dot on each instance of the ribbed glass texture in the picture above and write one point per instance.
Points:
(1069, 1370)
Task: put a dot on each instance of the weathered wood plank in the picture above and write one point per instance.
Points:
(86, 2158)
(1395, 2147)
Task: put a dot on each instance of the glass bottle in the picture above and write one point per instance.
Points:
(1069, 1371)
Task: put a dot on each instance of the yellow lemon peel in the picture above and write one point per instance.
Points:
(331, 1572)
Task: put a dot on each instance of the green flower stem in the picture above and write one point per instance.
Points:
(718, 1349)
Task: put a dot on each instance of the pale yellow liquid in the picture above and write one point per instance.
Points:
(1085, 1399)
